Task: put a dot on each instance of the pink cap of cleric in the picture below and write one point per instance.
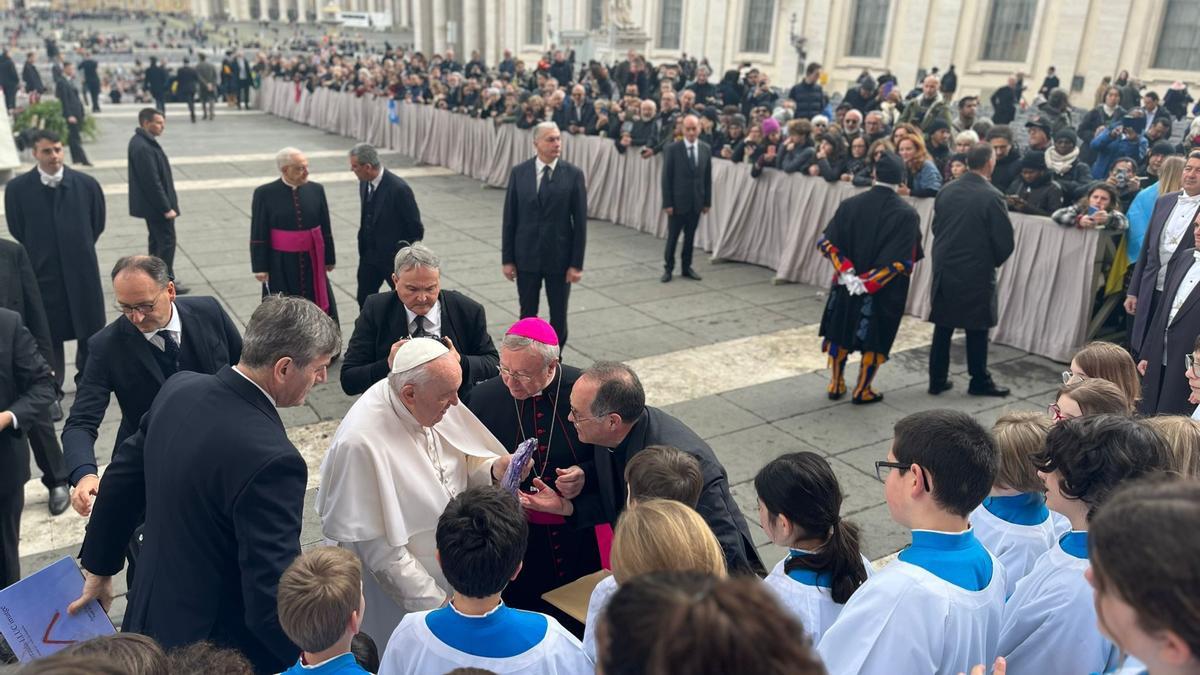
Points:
(535, 329)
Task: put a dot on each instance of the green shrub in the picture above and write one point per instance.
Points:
(47, 114)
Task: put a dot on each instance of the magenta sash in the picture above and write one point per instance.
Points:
(312, 242)
(543, 518)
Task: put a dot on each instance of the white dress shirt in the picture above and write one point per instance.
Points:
(692, 150)
(1175, 229)
(375, 185)
(52, 180)
(1185, 289)
(432, 323)
(539, 165)
(174, 326)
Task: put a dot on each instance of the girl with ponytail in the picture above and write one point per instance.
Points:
(799, 506)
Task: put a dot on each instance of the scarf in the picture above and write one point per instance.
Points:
(1060, 164)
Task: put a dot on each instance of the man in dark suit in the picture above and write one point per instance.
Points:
(1173, 328)
(578, 111)
(58, 214)
(545, 228)
(243, 78)
(91, 79)
(152, 188)
(417, 308)
(972, 236)
(155, 81)
(26, 392)
(132, 357)
(686, 193)
(32, 78)
(608, 409)
(389, 219)
(72, 112)
(222, 489)
(19, 293)
(186, 82)
(1174, 215)
(9, 80)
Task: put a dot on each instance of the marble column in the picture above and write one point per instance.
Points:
(470, 28)
(400, 15)
(301, 11)
(421, 40)
(439, 26)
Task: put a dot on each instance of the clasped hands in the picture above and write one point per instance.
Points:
(854, 285)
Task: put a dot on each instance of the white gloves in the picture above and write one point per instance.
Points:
(853, 284)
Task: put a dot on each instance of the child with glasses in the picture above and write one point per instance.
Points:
(938, 607)
(1014, 522)
(1106, 361)
(799, 507)
(1089, 397)
(1050, 620)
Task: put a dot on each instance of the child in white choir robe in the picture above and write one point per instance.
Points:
(1182, 436)
(697, 624)
(799, 507)
(321, 608)
(1145, 576)
(1014, 522)
(937, 608)
(481, 540)
(1050, 620)
(657, 472)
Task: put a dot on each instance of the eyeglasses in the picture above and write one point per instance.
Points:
(144, 308)
(1190, 360)
(1071, 377)
(520, 377)
(574, 414)
(881, 465)
(1056, 413)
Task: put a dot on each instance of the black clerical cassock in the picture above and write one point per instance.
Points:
(291, 240)
(557, 553)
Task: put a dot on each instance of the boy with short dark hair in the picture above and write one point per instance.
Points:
(939, 606)
(481, 539)
(321, 608)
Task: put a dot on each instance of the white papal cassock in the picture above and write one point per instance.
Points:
(384, 483)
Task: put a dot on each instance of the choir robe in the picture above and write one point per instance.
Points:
(557, 553)
(937, 609)
(505, 640)
(278, 206)
(1050, 620)
(601, 594)
(805, 594)
(1017, 529)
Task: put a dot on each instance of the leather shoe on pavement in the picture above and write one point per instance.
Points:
(666, 276)
(689, 273)
(936, 388)
(988, 388)
(60, 499)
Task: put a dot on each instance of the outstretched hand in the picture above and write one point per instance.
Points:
(543, 498)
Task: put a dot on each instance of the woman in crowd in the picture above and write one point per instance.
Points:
(1182, 436)
(767, 154)
(730, 88)
(820, 124)
(1146, 602)
(923, 179)
(964, 140)
(856, 159)
(535, 113)
(1170, 179)
(1097, 209)
(1107, 361)
(865, 176)
(1065, 167)
(956, 167)
(1090, 397)
(830, 158)
(798, 150)
(902, 130)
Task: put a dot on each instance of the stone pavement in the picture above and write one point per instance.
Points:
(734, 356)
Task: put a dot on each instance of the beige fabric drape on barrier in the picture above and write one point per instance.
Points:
(773, 221)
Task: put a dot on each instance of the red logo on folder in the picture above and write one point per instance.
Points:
(46, 636)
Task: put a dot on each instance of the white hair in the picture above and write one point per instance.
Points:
(549, 353)
(284, 157)
(968, 136)
(415, 376)
(542, 129)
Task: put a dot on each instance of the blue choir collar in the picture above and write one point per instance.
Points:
(501, 633)
(954, 557)
(1028, 508)
(809, 577)
(944, 541)
(1074, 543)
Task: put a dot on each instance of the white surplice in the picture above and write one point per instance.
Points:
(384, 483)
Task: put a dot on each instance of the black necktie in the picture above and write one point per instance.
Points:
(369, 193)
(168, 358)
(692, 154)
(545, 180)
(419, 327)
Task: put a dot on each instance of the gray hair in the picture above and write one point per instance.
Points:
(151, 266)
(284, 157)
(549, 353)
(967, 136)
(415, 255)
(620, 390)
(365, 153)
(542, 129)
(288, 327)
(414, 376)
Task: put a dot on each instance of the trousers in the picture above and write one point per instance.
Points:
(162, 240)
(558, 291)
(684, 223)
(939, 355)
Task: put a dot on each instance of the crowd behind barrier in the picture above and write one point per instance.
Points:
(1045, 288)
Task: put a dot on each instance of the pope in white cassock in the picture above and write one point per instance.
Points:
(400, 454)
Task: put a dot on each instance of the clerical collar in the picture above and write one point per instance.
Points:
(623, 446)
(285, 182)
(256, 386)
(1074, 544)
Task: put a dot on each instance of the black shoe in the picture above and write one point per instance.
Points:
(180, 289)
(56, 411)
(867, 401)
(689, 273)
(936, 388)
(60, 499)
(988, 388)
(666, 276)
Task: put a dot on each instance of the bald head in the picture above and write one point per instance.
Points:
(930, 86)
